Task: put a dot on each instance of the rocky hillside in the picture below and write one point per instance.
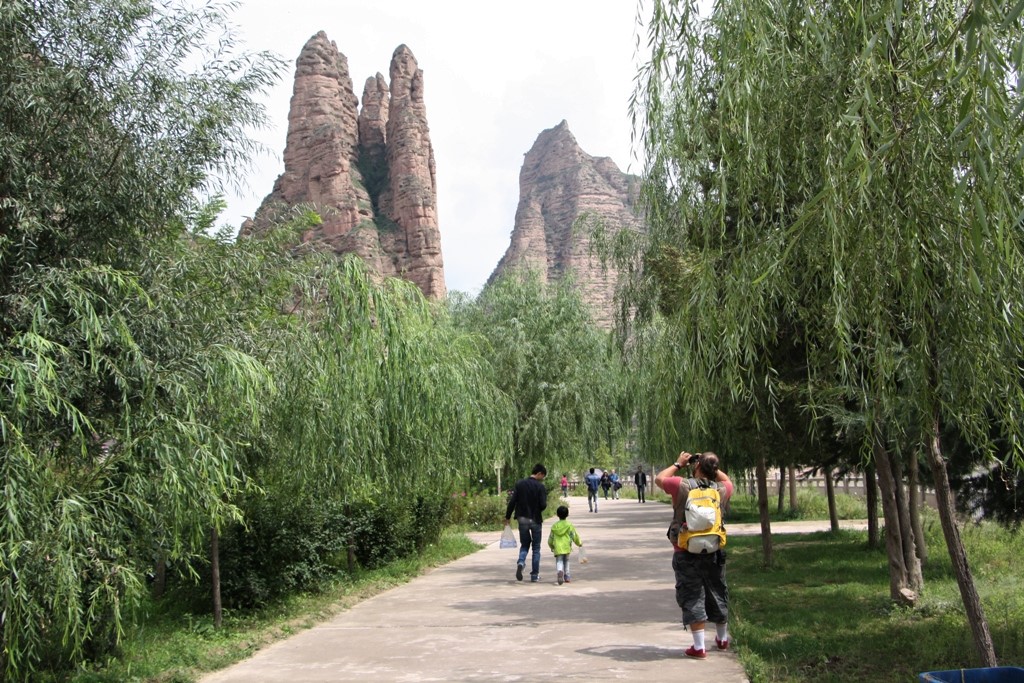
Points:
(558, 184)
(369, 172)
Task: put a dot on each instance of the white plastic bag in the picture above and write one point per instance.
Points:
(508, 538)
(582, 555)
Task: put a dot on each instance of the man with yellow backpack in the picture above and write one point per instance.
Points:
(698, 535)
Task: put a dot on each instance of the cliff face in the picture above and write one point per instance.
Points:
(558, 184)
(369, 173)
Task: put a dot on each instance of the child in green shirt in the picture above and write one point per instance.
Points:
(560, 539)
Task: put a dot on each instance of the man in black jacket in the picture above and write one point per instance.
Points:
(640, 479)
(528, 500)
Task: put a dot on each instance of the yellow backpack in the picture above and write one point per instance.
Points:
(699, 526)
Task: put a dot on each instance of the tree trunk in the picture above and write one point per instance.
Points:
(762, 508)
(160, 576)
(782, 486)
(792, 489)
(871, 491)
(218, 609)
(900, 589)
(914, 495)
(830, 493)
(907, 535)
(964, 579)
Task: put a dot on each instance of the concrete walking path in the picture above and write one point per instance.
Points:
(470, 620)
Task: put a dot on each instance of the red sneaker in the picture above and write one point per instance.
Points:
(695, 653)
(722, 644)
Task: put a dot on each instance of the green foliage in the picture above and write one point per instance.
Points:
(379, 385)
(985, 488)
(132, 430)
(429, 518)
(113, 431)
(834, 197)
(106, 133)
(296, 544)
(384, 533)
(289, 546)
(377, 396)
(560, 372)
(284, 547)
(380, 408)
(157, 380)
(483, 512)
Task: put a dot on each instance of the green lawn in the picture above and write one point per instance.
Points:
(823, 613)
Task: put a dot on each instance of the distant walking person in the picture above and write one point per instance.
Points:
(697, 534)
(528, 500)
(606, 483)
(616, 484)
(565, 486)
(593, 483)
(640, 479)
(563, 534)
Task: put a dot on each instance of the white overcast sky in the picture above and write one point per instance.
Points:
(496, 74)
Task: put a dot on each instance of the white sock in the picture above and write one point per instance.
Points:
(722, 631)
(698, 640)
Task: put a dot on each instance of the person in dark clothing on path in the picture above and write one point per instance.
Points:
(606, 483)
(640, 479)
(593, 482)
(528, 500)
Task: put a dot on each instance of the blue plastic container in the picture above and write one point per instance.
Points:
(994, 674)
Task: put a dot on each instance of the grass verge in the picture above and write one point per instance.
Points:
(810, 505)
(823, 613)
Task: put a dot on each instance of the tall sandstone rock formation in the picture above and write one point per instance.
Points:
(558, 184)
(368, 172)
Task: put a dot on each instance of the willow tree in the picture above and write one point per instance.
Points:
(859, 167)
(380, 405)
(379, 394)
(106, 435)
(555, 366)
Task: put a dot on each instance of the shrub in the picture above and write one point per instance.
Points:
(482, 511)
(285, 546)
(291, 545)
(386, 531)
(381, 532)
